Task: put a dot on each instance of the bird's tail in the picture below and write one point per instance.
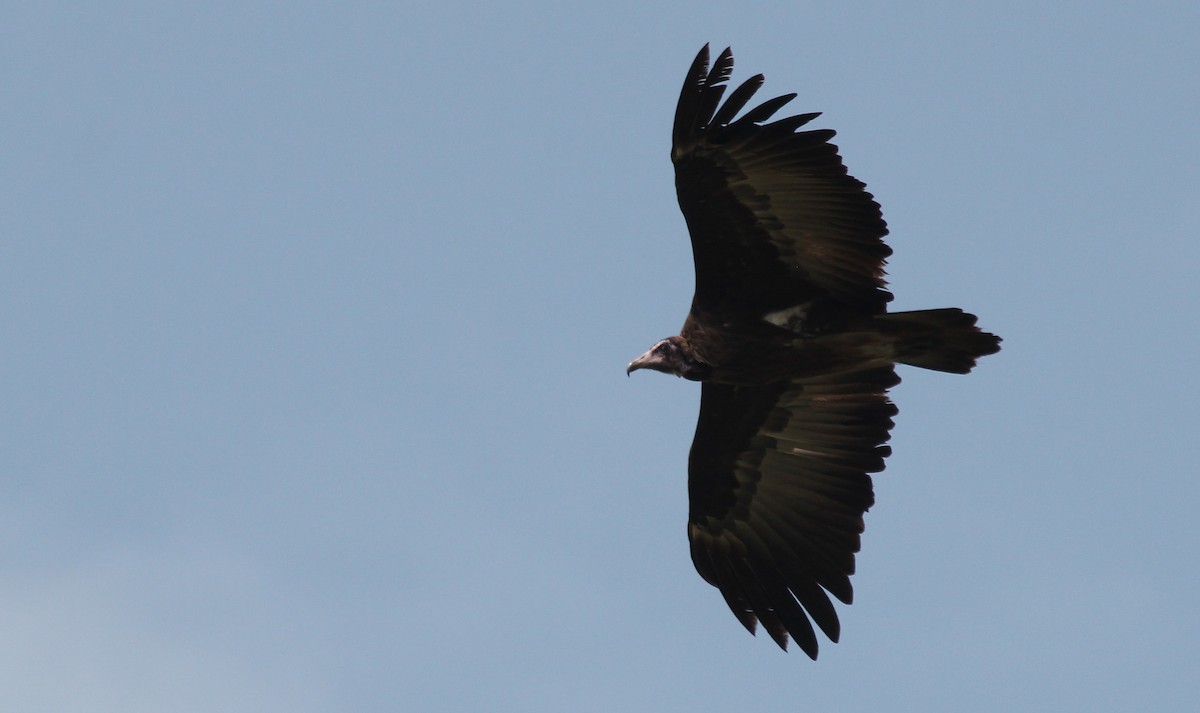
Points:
(938, 339)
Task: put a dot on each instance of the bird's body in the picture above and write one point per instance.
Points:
(790, 335)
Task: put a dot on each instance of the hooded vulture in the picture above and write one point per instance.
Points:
(790, 336)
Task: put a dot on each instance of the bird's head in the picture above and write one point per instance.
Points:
(672, 355)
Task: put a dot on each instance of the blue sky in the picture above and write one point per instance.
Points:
(315, 323)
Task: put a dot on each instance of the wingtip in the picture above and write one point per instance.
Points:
(699, 69)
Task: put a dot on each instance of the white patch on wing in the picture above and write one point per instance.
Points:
(789, 318)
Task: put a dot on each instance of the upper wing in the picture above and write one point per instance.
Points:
(778, 485)
(775, 219)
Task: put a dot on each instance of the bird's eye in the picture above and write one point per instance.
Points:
(664, 348)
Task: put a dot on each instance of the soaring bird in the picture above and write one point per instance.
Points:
(790, 336)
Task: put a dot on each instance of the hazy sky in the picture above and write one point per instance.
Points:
(315, 319)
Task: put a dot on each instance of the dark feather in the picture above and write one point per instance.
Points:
(764, 201)
(786, 497)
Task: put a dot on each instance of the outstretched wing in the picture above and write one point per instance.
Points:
(775, 219)
(778, 483)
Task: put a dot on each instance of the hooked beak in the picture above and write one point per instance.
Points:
(649, 360)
